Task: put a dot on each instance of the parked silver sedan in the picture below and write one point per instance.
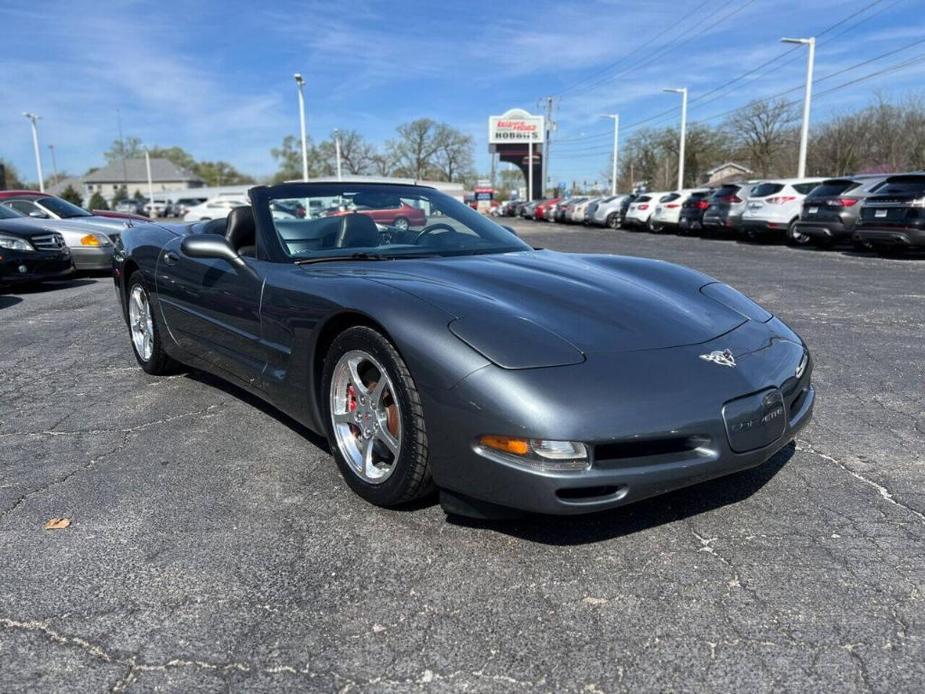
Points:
(91, 247)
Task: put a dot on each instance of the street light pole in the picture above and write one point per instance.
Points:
(150, 182)
(807, 100)
(54, 162)
(35, 146)
(337, 152)
(683, 92)
(616, 150)
(301, 83)
(530, 170)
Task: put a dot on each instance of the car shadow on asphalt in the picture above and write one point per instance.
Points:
(644, 515)
(265, 407)
(6, 301)
(42, 287)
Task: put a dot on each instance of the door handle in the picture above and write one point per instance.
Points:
(171, 258)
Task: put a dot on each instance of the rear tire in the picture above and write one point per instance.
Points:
(368, 422)
(796, 238)
(145, 331)
(613, 221)
(401, 223)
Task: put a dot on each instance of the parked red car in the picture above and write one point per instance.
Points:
(540, 211)
(385, 210)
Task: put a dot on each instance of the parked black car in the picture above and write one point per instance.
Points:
(831, 210)
(29, 253)
(893, 219)
(691, 219)
(616, 221)
(726, 207)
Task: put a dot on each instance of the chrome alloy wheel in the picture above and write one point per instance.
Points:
(140, 322)
(366, 416)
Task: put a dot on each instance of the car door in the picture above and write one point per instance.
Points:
(212, 309)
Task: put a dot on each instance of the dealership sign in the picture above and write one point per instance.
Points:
(515, 126)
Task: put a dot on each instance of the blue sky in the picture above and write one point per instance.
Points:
(216, 77)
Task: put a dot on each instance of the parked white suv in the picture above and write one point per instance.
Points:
(641, 209)
(216, 208)
(774, 207)
(668, 210)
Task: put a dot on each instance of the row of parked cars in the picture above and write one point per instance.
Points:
(884, 212)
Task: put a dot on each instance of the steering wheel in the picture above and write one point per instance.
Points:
(434, 227)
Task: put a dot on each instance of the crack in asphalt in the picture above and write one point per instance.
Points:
(884, 493)
(127, 430)
(136, 668)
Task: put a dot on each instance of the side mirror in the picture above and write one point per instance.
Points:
(210, 246)
(510, 229)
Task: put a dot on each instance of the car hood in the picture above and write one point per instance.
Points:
(70, 229)
(592, 303)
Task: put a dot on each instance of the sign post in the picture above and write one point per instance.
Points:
(509, 133)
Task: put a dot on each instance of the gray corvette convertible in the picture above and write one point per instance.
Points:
(436, 350)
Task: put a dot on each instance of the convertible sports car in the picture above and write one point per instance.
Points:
(454, 356)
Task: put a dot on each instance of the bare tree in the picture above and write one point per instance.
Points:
(763, 128)
(453, 156)
(415, 148)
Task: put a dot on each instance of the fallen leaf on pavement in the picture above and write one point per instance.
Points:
(57, 524)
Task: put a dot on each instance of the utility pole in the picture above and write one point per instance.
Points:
(35, 146)
(530, 170)
(150, 184)
(683, 92)
(547, 143)
(300, 82)
(616, 149)
(122, 149)
(807, 99)
(54, 163)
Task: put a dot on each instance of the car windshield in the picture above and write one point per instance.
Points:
(828, 189)
(9, 213)
(910, 185)
(763, 190)
(321, 221)
(62, 208)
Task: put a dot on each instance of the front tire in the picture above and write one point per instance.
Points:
(613, 221)
(375, 420)
(144, 331)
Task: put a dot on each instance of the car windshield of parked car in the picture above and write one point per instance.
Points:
(62, 208)
(911, 185)
(329, 221)
(765, 189)
(9, 213)
(828, 189)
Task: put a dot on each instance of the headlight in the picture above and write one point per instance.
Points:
(94, 240)
(539, 454)
(736, 300)
(15, 244)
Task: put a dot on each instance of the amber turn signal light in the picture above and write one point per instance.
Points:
(506, 444)
(90, 240)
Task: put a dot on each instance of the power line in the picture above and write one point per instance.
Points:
(701, 99)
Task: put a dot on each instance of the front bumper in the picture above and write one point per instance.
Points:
(92, 257)
(892, 236)
(17, 267)
(669, 425)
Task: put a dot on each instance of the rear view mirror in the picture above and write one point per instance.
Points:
(210, 246)
(510, 229)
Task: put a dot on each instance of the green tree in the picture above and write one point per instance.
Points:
(71, 195)
(177, 155)
(139, 196)
(120, 195)
(97, 202)
(289, 158)
(124, 148)
(220, 173)
(13, 181)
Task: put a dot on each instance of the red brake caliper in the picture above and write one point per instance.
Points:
(351, 398)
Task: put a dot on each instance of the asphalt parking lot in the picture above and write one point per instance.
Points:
(213, 545)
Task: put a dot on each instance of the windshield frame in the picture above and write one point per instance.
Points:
(270, 247)
(59, 206)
